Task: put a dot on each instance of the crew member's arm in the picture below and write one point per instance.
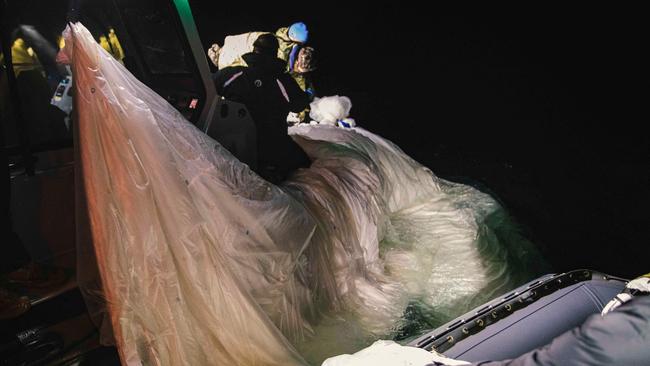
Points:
(298, 100)
(621, 337)
(227, 80)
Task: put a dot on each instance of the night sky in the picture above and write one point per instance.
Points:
(532, 105)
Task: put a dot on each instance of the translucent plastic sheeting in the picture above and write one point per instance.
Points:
(202, 262)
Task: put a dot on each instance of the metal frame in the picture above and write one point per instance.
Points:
(211, 97)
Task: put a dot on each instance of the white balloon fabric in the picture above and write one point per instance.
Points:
(389, 353)
(331, 110)
(202, 262)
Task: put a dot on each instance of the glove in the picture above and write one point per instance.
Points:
(637, 285)
(213, 54)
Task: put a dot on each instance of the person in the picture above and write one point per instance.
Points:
(270, 94)
(290, 39)
(292, 49)
(299, 58)
(621, 337)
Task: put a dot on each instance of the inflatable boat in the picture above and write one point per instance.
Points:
(524, 319)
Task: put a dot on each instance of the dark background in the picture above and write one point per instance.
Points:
(534, 105)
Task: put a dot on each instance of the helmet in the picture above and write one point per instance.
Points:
(266, 43)
(298, 32)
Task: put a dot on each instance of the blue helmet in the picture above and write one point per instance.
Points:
(298, 32)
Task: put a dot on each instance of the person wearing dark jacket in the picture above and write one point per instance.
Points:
(620, 338)
(270, 94)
